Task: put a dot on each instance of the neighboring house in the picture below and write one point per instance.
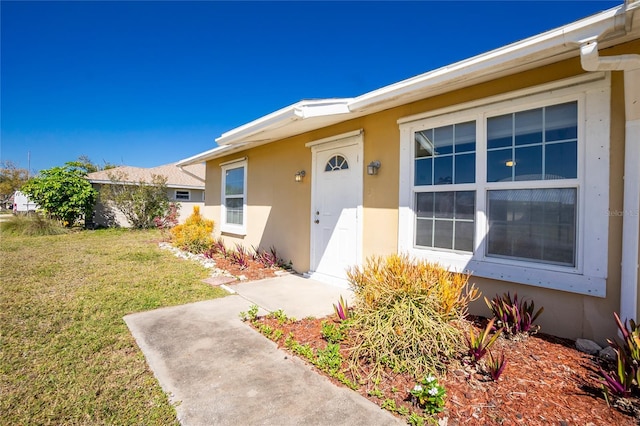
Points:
(509, 165)
(185, 186)
(22, 203)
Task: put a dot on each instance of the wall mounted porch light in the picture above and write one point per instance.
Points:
(372, 168)
(300, 175)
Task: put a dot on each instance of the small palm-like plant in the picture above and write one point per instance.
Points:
(516, 317)
(626, 376)
(341, 309)
(480, 344)
(495, 366)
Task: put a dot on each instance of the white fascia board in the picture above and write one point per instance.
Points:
(551, 43)
(203, 156)
(298, 111)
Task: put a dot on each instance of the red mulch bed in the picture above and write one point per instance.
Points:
(546, 381)
(255, 270)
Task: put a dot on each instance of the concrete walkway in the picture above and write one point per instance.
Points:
(219, 371)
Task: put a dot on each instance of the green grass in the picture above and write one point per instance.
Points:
(66, 355)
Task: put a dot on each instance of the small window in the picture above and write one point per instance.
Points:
(234, 190)
(445, 220)
(337, 162)
(446, 155)
(183, 195)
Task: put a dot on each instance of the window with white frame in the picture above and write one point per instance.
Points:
(501, 189)
(233, 203)
(183, 195)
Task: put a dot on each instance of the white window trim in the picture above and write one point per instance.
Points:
(232, 228)
(175, 195)
(590, 272)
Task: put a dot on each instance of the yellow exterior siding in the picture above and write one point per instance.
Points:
(278, 208)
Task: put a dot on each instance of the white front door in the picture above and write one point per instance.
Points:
(336, 208)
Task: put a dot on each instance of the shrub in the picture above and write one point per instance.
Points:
(31, 225)
(195, 234)
(63, 193)
(170, 219)
(269, 258)
(240, 256)
(515, 317)
(404, 312)
(495, 366)
(140, 202)
(385, 277)
(480, 344)
(342, 309)
(626, 376)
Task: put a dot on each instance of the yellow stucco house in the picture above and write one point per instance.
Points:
(520, 165)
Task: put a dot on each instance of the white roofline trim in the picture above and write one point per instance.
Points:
(556, 44)
(298, 111)
(203, 156)
(567, 38)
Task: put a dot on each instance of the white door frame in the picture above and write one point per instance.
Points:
(336, 142)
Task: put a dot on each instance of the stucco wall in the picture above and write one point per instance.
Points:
(279, 208)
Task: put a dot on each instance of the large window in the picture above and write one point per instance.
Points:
(500, 188)
(234, 188)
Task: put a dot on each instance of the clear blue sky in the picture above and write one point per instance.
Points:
(149, 83)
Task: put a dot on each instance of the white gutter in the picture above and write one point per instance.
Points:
(629, 64)
(551, 46)
(552, 42)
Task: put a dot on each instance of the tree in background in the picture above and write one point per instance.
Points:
(11, 179)
(84, 162)
(140, 202)
(63, 193)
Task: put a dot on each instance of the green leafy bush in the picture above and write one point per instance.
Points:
(63, 193)
(405, 313)
(195, 234)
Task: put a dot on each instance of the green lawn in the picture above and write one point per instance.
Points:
(66, 355)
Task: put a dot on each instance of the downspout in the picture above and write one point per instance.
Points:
(629, 64)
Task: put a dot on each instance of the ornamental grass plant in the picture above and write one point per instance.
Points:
(31, 225)
(405, 314)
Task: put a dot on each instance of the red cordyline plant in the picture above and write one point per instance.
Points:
(496, 366)
(480, 344)
(626, 377)
(341, 309)
(516, 317)
(240, 256)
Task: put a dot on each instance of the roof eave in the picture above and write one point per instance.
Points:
(299, 111)
(521, 55)
(551, 46)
